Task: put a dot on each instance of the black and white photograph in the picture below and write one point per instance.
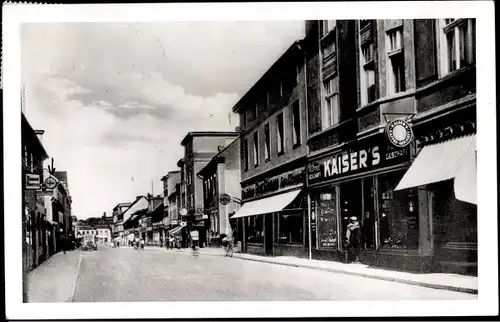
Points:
(250, 160)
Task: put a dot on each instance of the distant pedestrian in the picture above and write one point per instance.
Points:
(194, 238)
(142, 244)
(353, 239)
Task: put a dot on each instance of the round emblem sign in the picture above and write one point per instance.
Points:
(399, 133)
(224, 199)
(183, 211)
(50, 183)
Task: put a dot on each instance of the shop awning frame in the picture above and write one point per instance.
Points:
(452, 159)
(266, 205)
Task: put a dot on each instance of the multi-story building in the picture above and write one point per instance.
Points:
(273, 217)
(171, 200)
(131, 216)
(34, 212)
(100, 230)
(221, 176)
(394, 145)
(118, 212)
(199, 149)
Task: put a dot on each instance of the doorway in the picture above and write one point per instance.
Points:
(268, 234)
(350, 204)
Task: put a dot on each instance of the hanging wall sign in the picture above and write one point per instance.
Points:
(399, 133)
(32, 181)
(224, 199)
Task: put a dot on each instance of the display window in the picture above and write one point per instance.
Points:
(290, 227)
(255, 229)
(398, 214)
(325, 214)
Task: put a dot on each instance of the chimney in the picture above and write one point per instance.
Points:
(39, 134)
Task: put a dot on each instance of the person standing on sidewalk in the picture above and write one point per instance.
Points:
(353, 239)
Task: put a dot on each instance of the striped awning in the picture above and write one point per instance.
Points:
(453, 159)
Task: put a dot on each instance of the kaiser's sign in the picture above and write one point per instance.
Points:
(362, 156)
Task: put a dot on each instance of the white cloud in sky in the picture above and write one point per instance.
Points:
(115, 100)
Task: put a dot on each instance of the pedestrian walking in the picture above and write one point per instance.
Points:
(142, 244)
(353, 239)
(194, 238)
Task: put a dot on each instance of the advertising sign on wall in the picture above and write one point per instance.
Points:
(287, 180)
(363, 156)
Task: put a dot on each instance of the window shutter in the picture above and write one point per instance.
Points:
(425, 51)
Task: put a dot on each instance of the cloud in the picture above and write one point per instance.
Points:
(135, 105)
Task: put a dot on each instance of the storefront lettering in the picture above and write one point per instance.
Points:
(365, 155)
(353, 161)
(274, 184)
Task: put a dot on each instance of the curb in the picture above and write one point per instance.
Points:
(72, 297)
(372, 276)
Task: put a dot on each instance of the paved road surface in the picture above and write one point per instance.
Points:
(124, 274)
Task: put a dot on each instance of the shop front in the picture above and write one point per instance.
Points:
(359, 180)
(272, 219)
(445, 169)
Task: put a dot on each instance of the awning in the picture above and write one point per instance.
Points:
(176, 230)
(266, 205)
(453, 159)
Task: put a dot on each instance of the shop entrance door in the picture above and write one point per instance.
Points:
(350, 205)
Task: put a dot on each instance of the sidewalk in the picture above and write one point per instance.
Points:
(55, 279)
(452, 282)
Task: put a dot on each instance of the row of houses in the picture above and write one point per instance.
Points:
(374, 119)
(47, 223)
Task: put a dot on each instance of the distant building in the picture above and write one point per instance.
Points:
(199, 149)
(118, 212)
(222, 176)
(131, 217)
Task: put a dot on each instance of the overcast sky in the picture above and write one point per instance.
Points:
(116, 99)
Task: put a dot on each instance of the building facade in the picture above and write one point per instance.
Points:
(420, 73)
(35, 245)
(131, 216)
(118, 212)
(199, 149)
(273, 217)
(222, 176)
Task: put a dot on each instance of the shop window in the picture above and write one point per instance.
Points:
(280, 132)
(267, 143)
(296, 123)
(290, 227)
(255, 229)
(398, 213)
(395, 54)
(326, 213)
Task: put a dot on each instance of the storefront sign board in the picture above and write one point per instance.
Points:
(287, 180)
(363, 156)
